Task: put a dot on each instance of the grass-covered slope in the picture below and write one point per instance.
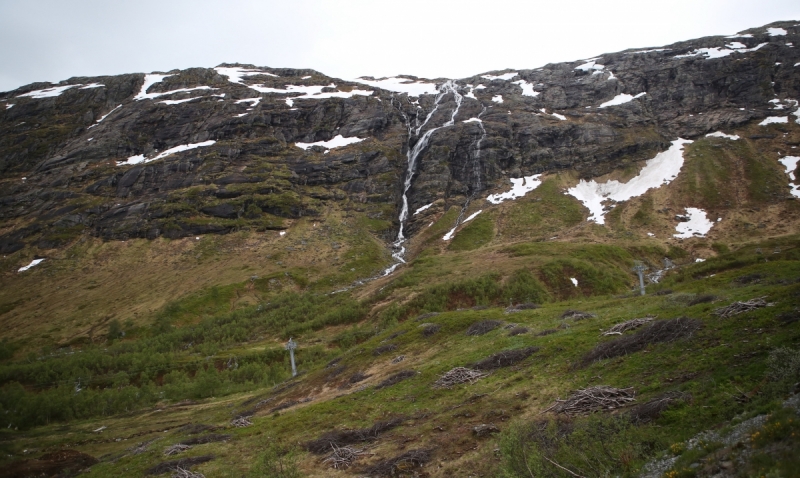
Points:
(156, 386)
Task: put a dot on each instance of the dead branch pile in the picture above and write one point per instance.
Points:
(521, 307)
(546, 332)
(576, 315)
(210, 438)
(658, 331)
(740, 307)
(284, 406)
(458, 376)
(593, 399)
(506, 358)
(357, 377)
(342, 457)
(426, 316)
(175, 449)
(395, 378)
(142, 447)
(241, 422)
(184, 473)
(517, 331)
(173, 465)
(702, 299)
(398, 359)
(400, 464)
(430, 329)
(748, 279)
(482, 327)
(341, 438)
(393, 336)
(632, 324)
(655, 407)
(383, 349)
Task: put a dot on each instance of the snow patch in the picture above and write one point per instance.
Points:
(720, 134)
(527, 88)
(697, 225)
(253, 101)
(621, 99)
(32, 264)
(590, 65)
(497, 98)
(419, 210)
(8, 107)
(574, 281)
(236, 74)
(104, 117)
(746, 35)
(561, 117)
(471, 216)
(660, 170)
(92, 85)
(790, 163)
(718, 52)
(401, 85)
(774, 119)
(336, 142)
(473, 120)
(139, 158)
(48, 92)
(776, 32)
(504, 76)
(519, 187)
(648, 51)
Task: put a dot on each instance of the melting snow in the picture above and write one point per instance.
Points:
(253, 101)
(282, 233)
(139, 158)
(497, 98)
(776, 32)
(473, 120)
(104, 117)
(402, 85)
(336, 142)
(33, 263)
(93, 85)
(774, 119)
(621, 99)
(790, 163)
(590, 65)
(236, 74)
(149, 80)
(720, 134)
(505, 76)
(746, 35)
(650, 234)
(561, 117)
(660, 170)
(574, 281)
(698, 224)
(718, 52)
(9, 106)
(735, 45)
(527, 88)
(699, 260)
(472, 216)
(422, 208)
(648, 51)
(520, 187)
(48, 92)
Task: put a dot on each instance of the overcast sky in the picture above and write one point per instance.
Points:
(52, 40)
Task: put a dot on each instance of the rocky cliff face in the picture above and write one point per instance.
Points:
(211, 150)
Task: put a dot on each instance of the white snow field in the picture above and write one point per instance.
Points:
(47, 92)
(401, 85)
(33, 263)
(519, 187)
(504, 76)
(698, 224)
(139, 158)
(790, 163)
(336, 142)
(774, 119)
(497, 99)
(660, 170)
(527, 88)
(719, 52)
(720, 134)
(621, 99)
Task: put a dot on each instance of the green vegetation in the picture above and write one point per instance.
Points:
(475, 234)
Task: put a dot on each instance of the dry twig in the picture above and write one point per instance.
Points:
(457, 376)
(184, 473)
(175, 449)
(593, 399)
(241, 422)
(740, 307)
(343, 457)
(629, 325)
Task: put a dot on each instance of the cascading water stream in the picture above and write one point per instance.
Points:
(412, 154)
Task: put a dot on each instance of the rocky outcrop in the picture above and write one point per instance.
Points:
(68, 161)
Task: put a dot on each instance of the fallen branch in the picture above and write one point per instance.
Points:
(343, 457)
(241, 422)
(184, 473)
(457, 376)
(632, 324)
(175, 449)
(740, 307)
(593, 399)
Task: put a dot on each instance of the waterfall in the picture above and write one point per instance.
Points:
(412, 154)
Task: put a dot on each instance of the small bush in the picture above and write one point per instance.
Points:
(783, 364)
